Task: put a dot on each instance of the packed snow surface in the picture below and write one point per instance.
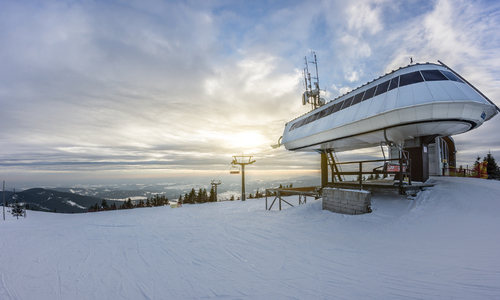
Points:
(443, 244)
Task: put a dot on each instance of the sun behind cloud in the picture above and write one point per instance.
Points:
(249, 140)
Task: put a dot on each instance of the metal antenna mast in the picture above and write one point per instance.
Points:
(242, 161)
(215, 183)
(312, 95)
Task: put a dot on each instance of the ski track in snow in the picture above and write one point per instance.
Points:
(443, 244)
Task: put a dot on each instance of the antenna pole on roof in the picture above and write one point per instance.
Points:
(312, 95)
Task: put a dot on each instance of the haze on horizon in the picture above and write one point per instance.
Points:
(120, 91)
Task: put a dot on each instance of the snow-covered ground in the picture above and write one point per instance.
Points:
(444, 244)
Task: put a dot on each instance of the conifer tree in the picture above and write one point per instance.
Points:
(211, 195)
(191, 198)
(17, 209)
(199, 197)
(204, 196)
(491, 167)
(129, 204)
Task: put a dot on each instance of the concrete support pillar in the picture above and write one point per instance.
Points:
(324, 170)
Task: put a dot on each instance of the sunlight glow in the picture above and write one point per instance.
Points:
(247, 140)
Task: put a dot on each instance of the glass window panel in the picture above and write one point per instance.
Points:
(337, 107)
(324, 112)
(382, 88)
(329, 110)
(308, 120)
(394, 83)
(433, 75)
(451, 76)
(299, 123)
(314, 117)
(302, 122)
(347, 103)
(369, 93)
(410, 78)
(357, 98)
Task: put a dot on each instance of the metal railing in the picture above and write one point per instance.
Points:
(398, 166)
(477, 171)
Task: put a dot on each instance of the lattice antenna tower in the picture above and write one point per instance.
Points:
(312, 93)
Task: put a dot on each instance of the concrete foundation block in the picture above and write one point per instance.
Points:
(352, 202)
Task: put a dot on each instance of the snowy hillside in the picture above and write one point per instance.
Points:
(444, 244)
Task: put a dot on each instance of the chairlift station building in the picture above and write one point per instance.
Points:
(418, 107)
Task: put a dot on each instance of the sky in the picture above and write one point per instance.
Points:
(103, 91)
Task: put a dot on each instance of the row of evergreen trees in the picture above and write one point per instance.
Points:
(156, 200)
(202, 196)
(198, 197)
(193, 197)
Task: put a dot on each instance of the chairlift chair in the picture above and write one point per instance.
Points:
(234, 170)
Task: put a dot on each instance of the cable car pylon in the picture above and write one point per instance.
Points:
(215, 183)
(242, 161)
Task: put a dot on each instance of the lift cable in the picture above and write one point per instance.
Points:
(223, 171)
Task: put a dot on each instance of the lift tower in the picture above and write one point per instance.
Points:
(242, 161)
(215, 183)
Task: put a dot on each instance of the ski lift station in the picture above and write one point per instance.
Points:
(413, 111)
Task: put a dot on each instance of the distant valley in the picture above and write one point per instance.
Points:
(80, 199)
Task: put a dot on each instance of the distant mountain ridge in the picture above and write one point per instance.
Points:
(53, 201)
(80, 199)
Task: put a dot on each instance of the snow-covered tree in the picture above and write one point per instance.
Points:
(17, 210)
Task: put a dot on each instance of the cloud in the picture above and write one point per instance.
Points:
(462, 35)
(185, 85)
(364, 17)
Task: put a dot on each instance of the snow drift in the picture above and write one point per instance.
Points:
(443, 244)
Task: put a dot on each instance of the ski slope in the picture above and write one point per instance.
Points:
(443, 244)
